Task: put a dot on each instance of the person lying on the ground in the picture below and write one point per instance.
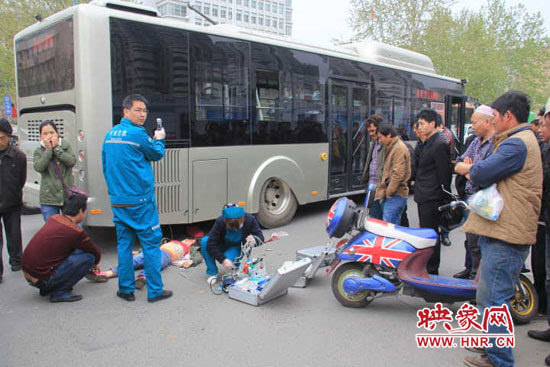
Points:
(223, 243)
(171, 252)
(61, 253)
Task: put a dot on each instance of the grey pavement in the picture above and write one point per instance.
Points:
(307, 327)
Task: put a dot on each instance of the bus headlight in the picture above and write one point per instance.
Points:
(80, 136)
(81, 175)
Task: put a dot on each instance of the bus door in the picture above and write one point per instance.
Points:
(348, 109)
(454, 120)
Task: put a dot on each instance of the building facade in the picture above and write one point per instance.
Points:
(269, 16)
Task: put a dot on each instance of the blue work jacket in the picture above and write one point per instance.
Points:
(126, 155)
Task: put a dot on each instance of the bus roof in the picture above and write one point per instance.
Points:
(370, 52)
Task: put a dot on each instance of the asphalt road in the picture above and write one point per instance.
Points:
(307, 327)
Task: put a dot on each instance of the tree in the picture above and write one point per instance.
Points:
(397, 22)
(497, 48)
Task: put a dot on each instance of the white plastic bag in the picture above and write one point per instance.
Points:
(487, 202)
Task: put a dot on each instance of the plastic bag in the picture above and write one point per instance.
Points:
(487, 203)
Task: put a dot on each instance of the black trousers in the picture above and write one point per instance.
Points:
(12, 224)
(429, 217)
(538, 264)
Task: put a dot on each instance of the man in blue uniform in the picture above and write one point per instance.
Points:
(223, 243)
(127, 155)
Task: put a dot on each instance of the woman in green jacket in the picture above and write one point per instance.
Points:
(52, 159)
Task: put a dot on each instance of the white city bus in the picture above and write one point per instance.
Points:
(249, 118)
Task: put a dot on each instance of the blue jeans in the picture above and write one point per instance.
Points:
(69, 272)
(142, 222)
(211, 269)
(139, 260)
(501, 264)
(49, 210)
(392, 209)
(375, 210)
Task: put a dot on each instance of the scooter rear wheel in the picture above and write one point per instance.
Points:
(525, 303)
(358, 300)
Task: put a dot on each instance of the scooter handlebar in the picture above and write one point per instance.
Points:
(453, 205)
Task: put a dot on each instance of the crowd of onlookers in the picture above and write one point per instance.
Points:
(509, 149)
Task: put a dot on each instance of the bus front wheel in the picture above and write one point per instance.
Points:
(277, 204)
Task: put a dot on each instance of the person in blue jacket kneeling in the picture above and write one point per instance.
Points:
(223, 243)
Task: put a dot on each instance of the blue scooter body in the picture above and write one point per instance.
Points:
(395, 253)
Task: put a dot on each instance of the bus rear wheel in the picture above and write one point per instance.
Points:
(277, 204)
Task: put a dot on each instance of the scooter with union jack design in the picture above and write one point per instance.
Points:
(377, 258)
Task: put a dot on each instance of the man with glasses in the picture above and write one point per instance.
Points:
(372, 172)
(13, 174)
(127, 155)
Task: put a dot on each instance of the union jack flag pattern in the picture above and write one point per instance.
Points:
(331, 213)
(379, 250)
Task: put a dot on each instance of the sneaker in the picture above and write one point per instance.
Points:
(43, 292)
(478, 361)
(445, 241)
(140, 282)
(96, 276)
(16, 267)
(67, 297)
(126, 296)
(540, 335)
(163, 295)
(211, 279)
(464, 274)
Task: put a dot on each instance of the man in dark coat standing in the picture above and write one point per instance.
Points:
(433, 173)
(13, 174)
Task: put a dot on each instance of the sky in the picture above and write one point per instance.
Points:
(318, 22)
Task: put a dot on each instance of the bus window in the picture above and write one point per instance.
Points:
(220, 79)
(339, 126)
(360, 100)
(152, 61)
(288, 96)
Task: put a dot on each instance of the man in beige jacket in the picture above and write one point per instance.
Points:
(392, 190)
(515, 166)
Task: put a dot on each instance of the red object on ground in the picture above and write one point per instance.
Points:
(195, 232)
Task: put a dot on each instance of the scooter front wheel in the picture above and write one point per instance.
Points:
(358, 300)
(525, 303)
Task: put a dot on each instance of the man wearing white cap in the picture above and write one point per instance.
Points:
(478, 150)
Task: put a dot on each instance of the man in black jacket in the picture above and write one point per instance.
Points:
(433, 172)
(13, 174)
(544, 335)
(223, 243)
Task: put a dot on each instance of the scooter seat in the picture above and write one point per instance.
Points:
(418, 237)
